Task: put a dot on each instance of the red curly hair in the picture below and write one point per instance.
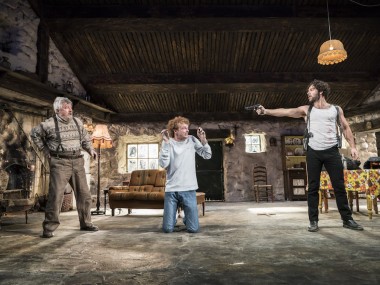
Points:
(173, 124)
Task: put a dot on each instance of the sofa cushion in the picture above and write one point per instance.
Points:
(159, 189)
(124, 196)
(160, 179)
(156, 196)
(141, 188)
(119, 188)
(143, 177)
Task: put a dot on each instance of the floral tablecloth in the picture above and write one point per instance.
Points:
(361, 180)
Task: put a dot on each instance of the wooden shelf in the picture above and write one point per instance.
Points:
(295, 181)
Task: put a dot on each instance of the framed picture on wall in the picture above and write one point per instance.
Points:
(132, 150)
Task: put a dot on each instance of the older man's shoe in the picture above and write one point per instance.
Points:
(313, 227)
(352, 225)
(47, 235)
(91, 228)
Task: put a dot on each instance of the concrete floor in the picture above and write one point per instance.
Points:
(239, 243)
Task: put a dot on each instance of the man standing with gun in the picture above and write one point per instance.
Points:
(322, 149)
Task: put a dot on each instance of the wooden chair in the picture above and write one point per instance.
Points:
(263, 191)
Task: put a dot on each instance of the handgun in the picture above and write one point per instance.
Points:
(253, 107)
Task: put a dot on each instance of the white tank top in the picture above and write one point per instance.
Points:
(323, 127)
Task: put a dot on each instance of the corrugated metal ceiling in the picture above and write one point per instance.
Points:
(154, 59)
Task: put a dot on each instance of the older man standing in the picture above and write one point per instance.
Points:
(61, 138)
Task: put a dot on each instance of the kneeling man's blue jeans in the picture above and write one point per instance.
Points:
(188, 201)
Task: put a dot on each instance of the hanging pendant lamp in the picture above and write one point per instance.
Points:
(331, 51)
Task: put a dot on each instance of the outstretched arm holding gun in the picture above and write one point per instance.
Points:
(298, 112)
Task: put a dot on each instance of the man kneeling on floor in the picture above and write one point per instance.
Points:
(177, 156)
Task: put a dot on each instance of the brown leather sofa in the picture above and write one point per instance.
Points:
(146, 190)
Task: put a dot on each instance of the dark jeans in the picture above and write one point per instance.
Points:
(333, 163)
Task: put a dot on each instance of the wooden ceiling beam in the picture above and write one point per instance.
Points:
(229, 77)
(194, 117)
(221, 87)
(363, 109)
(20, 89)
(71, 10)
(62, 25)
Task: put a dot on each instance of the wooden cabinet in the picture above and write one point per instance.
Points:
(294, 167)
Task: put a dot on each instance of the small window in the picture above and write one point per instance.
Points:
(255, 143)
(142, 156)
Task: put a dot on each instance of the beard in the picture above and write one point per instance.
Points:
(66, 117)
(314, 99)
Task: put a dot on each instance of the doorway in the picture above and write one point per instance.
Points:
(210, 173)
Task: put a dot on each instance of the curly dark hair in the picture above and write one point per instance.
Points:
(173, 124)
(321, 86)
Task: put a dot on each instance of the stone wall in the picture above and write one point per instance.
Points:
(18, 44)
(16, 149)
(366, 141)
(237, 164)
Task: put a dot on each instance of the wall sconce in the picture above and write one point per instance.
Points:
(230, 140)
(331, 51)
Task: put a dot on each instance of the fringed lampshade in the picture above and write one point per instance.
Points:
(101, 137)
(331, 52)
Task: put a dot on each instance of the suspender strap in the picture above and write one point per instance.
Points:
(338, 127)
(338, 117)
(306, 134)
(58, 136)
(308, 117)
(57, 133)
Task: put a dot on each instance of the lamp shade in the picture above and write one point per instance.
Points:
(101, 137)
(331, 52)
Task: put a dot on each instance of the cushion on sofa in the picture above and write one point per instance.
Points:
(119, 187)
(125, 196)
(141, 188)
(160, 180)
(157, 196)
(143, 177)
(158, 189)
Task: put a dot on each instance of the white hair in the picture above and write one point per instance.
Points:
(59, 101)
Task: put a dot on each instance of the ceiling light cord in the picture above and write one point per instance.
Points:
(328, 18)
(364, 5)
